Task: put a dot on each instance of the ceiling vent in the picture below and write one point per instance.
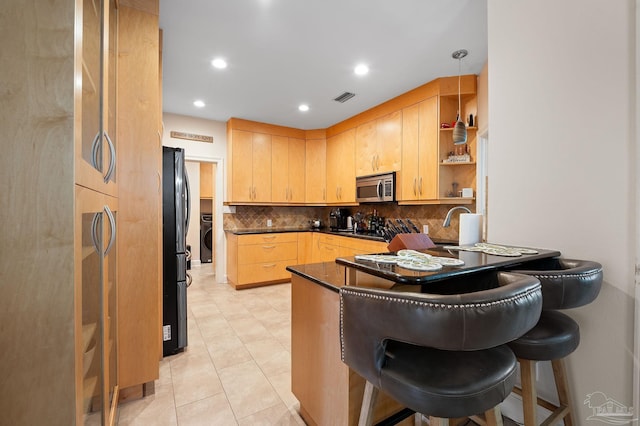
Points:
(344, 97)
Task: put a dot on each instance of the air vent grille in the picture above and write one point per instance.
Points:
(344, 97)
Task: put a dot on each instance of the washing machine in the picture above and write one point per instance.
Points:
(206, 237)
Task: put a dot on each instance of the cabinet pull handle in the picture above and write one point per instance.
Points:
(95, 238)
(95, 150)
(377, 162)
(270, 237)
(324, 194)
(271, 265)
(159, 183)
(415, 181)
(268, 247)
(112, 224)
(112, 163)
(373, 162)
(159, 138)
(420, 185)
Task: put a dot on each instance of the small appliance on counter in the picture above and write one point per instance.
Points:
(315, 224)
(338, 219)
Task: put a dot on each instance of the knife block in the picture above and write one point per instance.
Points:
(411, 242)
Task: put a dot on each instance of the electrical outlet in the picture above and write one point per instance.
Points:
(425, 229)
(269, 223)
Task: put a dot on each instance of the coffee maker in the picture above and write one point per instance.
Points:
(338, 219)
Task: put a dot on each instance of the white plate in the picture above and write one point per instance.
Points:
(448, 261)
(419, 266)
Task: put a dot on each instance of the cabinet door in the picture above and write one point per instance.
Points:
(333, 168)
(316, 171)
(96, 330)
(389, 147)
(261, 168)
(407, 185)
(366, 145)
(297, 166)
(347, 170)
(242, 166)
(95, 151)
(428, 149)
(280, 173)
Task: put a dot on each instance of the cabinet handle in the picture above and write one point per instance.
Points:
(254, 193)
(337, 197)
(112, 224)
(271, 265)
(373, 163)
(420, 185)
(377, 162)
(95, 239)
(112, 163)
(270, 237)
(95, 150)
(268, 247)
(250, 193)
(159, 138)
(415, 182)
(324, 194)
(159, 183)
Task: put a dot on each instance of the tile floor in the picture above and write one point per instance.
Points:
(236, 369)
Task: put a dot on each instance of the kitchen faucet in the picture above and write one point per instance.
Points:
(447, 219)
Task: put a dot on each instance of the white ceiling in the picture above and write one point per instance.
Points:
(282, 53)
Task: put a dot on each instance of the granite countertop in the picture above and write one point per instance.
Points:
(332, 275)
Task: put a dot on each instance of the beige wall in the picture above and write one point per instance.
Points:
(562, 152)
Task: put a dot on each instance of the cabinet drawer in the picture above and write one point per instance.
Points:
(262, 272)
(267, 252)
(283, 237)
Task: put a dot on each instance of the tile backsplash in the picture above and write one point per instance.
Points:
(251, 217)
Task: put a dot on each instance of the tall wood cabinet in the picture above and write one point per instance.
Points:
(341, 176)
(316, 169)
(250, 171)
(61, 212)
(288, 171)
(140, 195)
(418, 179)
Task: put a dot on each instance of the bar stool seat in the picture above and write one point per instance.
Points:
(566, 283)
(555, 336)
(443, 356)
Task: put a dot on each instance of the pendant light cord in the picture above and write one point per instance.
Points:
(459, 101)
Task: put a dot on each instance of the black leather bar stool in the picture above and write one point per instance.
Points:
(566, 283)
(439, 355)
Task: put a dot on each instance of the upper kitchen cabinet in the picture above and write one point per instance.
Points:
(96, 148)
(316, 167)
(266, 163)
(341, 177)
(418, 179)
(379, 145)
(288, 176)
(457, 163)
(250, 171)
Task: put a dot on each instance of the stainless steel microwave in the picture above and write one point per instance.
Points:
(376, 188)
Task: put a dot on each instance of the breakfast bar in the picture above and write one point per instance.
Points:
(328, 391)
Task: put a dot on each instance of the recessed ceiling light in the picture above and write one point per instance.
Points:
(361, 69)
(199, 103)
(303, 107)
(219, 63)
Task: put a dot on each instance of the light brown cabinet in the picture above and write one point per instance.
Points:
(326, 247)
(316, 171)
(287, 178)
(341, 177)
(206, 180)
(379, 145)
(140, 195)
(250, 172)
(63, 321)
(260, 259)
(418, 179)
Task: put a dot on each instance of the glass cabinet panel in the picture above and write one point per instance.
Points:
(91, 82)
(92, 272)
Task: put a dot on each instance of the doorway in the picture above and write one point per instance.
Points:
(201, 235)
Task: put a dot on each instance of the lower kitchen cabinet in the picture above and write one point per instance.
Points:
(326, 247)
(260, 259)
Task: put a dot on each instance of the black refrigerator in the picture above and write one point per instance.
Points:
(175, 223)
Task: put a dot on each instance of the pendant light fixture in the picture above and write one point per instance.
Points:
(459, 130)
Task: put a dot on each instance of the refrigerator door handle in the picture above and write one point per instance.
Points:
(188, 188)
(189, 279)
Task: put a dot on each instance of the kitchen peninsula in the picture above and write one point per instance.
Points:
(328, 391)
